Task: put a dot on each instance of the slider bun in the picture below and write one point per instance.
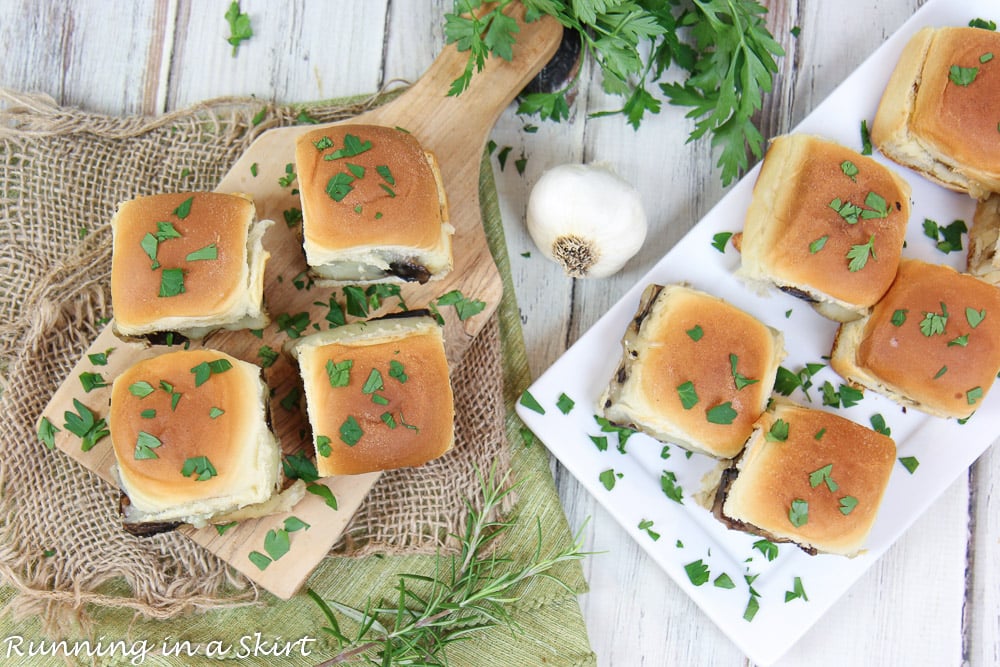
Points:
(401, 229)
(237, 443)
(945, 131)
(225, 292)
(791, 209)
(771, 475)
(903, 363)
(424, 401)
(984, 241)
(659, 355)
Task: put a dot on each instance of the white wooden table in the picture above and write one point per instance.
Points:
(934, 599)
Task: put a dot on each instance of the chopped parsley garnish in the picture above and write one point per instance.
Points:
(608, 478)
(623, 432)
(941, 371)
(866, 139)
(671, 489)
(389, 191)
(84, 424)
(397, 372)
(950, 235)
(877, 207)
(47, 432)
(294, 523)
(819, 434)
(933, 323)
(740, 379)
(215, 413)
(687, 394)
(600, 441)
(208, 252)
(778, 431)
(352, 146)
(975, 317)
(267, 355)
(982, 23)
(323, 143)
(148, 414)
(175, 396)
(768, 548)
(150, 245)
(323, 445)
(798, 513)
(959, 341)
(323, 492)
(171, 282)
(879, 425)
(697, 572)
(259, 559)
(339, 186)
(206, 369)
(858, 255)
(91, 381)
(386, 174)
(974, 395)
(848, 211)
(818, 244)
(962, 76)
(293, 216)
(847, 504)
(388, 419)
(797, 591)
(565, 404)
(297, 466)
(723, 581)
(356, 170)
(290, 401)
(221, 528)
(144, 446)
(899, 317)
(753, 606)
(647, 526)
(529, 401)
(289, 176)
(850, 169)
(200, 466)
(464, 306)
(721, 414)
(293, 325)
(253, 170)
(720, 240)
(239, 27)
(101, 358)
(184, 209)
(823, 476)
(910, 463)
(695, 333)
(350, 431)
(373, 383)
(277, 543)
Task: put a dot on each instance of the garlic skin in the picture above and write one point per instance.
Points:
(586, 218)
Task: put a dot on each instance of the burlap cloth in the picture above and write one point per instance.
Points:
(68, 568)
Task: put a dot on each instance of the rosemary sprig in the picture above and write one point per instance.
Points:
(468, 593)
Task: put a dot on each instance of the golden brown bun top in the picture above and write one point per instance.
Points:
(188, 430)
(210, 285)
(775, 474)
(424, 401)
(805, 175)
(905, 357)
(961, 121)
(672, 354)
(406, 211)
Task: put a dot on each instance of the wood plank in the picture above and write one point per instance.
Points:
(71, 51)
(982, 590)
(455, 130)
(299, 51)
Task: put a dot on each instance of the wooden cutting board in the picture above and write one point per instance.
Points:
(455, 129)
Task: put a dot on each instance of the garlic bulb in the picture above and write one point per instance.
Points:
(586, 218)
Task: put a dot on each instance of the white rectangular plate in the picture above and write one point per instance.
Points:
(944, 448)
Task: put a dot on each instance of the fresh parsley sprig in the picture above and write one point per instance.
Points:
(723, 46)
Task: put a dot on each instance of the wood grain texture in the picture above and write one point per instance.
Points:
(906, 610)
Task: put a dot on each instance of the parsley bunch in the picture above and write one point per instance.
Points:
(722, 48)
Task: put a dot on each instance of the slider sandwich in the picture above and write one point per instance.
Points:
(984, 241)
(373, 205)
(192, 443)
(189, 263)
(941, 108)
(808, 477)
(695, 371)
(825, 224)
(378, 394)
(933, 341)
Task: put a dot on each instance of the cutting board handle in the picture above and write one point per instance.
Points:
(427, 104)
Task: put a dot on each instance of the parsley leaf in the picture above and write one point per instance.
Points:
(339, 372)
(671, 489)
(200, 466)
(933, 324)
(565, 404)
(823, 476)
(687, 394)
(778, 431)
(847, 504)
(722, 413)
(720, 240)
(858, 255)
(144, 446)
(768, 548)
(239, 26)
(530, 402)
(910, 463)
(350, 431)
(695, 333)
(798, 513)
(697, 572)
(739, 379)
(962, 76)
